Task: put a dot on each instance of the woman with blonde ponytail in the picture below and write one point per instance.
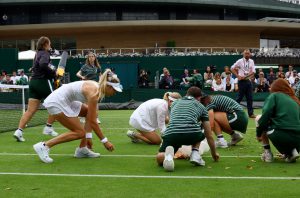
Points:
(149, 117)
(78, 99)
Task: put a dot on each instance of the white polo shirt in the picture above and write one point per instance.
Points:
(244, 66)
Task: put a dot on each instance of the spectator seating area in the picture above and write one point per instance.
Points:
(156, 52)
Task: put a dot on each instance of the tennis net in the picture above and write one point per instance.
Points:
(13, 103)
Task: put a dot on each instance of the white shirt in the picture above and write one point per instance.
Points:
(14, 79)
(151, 115)
(244, 67)
(291, 79)
(219, 87)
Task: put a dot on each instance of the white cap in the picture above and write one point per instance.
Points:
(117, 86)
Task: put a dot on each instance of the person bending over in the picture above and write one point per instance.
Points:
(226, 115)
(184, 129)
(67, 103)
(149, 117)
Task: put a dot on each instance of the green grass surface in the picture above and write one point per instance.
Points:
(237, 162)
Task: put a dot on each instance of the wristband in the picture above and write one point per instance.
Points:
(89, 135)
(104, 140)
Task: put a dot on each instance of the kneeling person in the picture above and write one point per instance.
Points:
(280, 122)
(150, 117)
(225, 114)
(184, 129)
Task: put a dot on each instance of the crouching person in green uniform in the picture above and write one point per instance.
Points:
(184, 129)
(225, 114)
(280, 122)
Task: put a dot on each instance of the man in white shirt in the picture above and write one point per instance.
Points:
(290, 72)
(243, 69)
(14, 77)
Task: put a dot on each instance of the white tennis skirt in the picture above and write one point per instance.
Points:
(140, 124)
(70, 110)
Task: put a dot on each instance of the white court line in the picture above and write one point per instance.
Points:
(125, 155)
(151, 176)
(100, 127)
(127, 128)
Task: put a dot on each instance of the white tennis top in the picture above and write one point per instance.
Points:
(67, 98)
(150, 115)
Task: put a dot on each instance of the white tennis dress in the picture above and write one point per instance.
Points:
(150, 116)
(67, 99)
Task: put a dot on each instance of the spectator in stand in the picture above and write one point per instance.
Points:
(8, 80)
(271, 76)
(219, 86)
(1, 78)
(260, 70)
(229, 84)
(226, 72)
(185, 84)
(196, 79)
(236, 85)
(262, 83)
(166, 81)
(292, 78)
(296, 83)
(217, 76)
(280, 71)
(253, 81)
(3, 74)
(297, 91)
(14, 77)
(208, 77)
(162, 75)
(23, 78)
(281, 75)
(289, 73)
(143, 79)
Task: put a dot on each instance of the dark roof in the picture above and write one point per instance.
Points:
(270, 5)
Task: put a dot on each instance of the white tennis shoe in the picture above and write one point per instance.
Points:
(196, 159)
(84, 152)
(168, 163)
(49, 131)
(43, 152)
(18, 134)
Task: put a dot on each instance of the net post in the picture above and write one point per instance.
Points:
(23, 99)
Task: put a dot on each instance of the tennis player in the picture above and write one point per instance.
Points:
(67, 103)
(151, 116)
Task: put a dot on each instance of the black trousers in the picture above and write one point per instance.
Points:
(245, 89)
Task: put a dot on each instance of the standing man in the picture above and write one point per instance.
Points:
(243, 69)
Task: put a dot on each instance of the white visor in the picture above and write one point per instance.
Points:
(117, 86)
(172, 99)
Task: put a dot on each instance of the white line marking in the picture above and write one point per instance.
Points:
(150, 176)
(128, 128)
(125, 155)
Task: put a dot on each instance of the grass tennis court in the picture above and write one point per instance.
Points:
(131, 170)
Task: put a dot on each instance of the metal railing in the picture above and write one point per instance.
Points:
(184, 51)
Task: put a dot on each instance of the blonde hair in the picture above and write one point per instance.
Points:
(107, 76)
(175, 95)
